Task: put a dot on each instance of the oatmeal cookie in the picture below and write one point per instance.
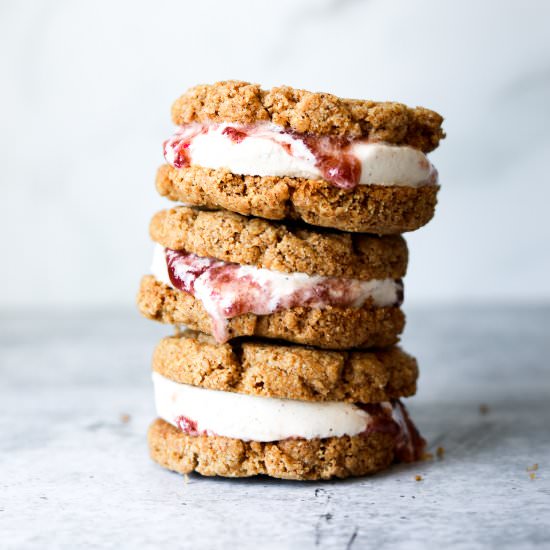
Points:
(378, 209)
(298, 459)
(286, 371)
(310, 113)
(265, 244)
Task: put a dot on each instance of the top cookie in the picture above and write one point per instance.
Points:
(310, 113)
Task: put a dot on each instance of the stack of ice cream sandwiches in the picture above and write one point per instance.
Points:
(282, 270)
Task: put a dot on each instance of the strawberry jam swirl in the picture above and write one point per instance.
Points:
(393, 418)
(265, 149)
(228, 290)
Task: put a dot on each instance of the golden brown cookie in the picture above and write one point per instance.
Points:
(310, 113)
(286, 371)
(265, 244)
(379, 209)
(330, 327)
(299, 459)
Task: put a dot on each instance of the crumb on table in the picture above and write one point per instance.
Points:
(484, 409)
(418, 477)
(125, 418)
(440, 452)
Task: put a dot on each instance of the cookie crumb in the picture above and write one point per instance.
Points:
(417, 478)
(532, 475)
(125, 418)
(533, 468)
(483, 409)
(427, 456)
(440, 452)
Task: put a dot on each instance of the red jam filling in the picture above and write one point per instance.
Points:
(228, 290)
(395, 420)
(188, 426)
(334, 160)
(236, 136)
(180, 142)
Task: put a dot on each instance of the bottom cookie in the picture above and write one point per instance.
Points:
(298, 459)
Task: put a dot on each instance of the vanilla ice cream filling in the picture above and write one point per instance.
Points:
(251, 418)
(383, 292)
(267, 150)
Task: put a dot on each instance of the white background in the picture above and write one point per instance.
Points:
(85, 93)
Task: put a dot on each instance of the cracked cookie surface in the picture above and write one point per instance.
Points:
(310, 113)
(252, 241)
(298, 459)
(286, 371)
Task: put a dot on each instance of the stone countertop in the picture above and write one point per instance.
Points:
(76, 399)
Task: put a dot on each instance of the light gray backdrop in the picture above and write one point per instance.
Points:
(85, 95)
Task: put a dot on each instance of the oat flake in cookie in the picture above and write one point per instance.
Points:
(291, 154)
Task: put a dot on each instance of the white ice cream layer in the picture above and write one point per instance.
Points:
(384, 292)
(268, 152)
(253, 418)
